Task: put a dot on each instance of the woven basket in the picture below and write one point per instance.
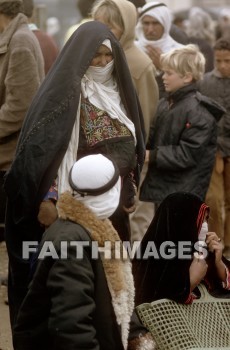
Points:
(205, 324)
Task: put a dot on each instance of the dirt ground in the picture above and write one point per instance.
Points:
(5, 331)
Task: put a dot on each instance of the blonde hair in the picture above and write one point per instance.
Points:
(109, 11)
(186, 59)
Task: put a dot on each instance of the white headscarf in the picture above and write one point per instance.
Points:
(100, 87)
(164, 17)
(93, 172)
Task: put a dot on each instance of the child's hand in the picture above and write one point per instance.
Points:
(214, 245)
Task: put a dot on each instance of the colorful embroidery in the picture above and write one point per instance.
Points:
(98, 126)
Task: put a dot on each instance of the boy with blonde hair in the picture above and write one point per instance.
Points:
(182, 141)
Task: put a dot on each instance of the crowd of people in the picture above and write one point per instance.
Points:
(122, 136)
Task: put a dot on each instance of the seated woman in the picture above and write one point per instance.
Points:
(180, 223)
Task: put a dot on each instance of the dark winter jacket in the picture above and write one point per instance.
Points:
(182, 145)
(78, 302)
(218, 88)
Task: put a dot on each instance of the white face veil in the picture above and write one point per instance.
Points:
(96, 182)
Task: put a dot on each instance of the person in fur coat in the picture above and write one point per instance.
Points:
(82, 297)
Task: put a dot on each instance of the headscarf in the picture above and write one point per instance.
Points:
(89, 174)
(162, 14)
(50, 121)
(178, 219)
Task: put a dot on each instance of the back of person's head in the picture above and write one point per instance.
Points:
(84, 7)
(187, 59)
(11, 8)
(28, 8)
(200, 25)
(95, 180)
(108, 10)
(222, 44)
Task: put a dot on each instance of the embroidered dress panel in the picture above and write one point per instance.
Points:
(98, 126)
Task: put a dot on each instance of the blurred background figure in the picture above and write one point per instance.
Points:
(223, 23)
(47, 44)
(216, 84)
(53, 29)
(84, 7)
(21, 72)
(200, 29)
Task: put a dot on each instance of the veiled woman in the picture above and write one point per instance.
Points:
(86, 105)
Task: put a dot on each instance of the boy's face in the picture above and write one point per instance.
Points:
(222, 62)
(174, 81)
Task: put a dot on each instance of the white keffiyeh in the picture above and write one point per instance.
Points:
(92, 172)
(163, 16)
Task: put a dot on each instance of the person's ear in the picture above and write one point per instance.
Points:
(188, 78)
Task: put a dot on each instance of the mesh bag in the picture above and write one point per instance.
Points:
(205, 324)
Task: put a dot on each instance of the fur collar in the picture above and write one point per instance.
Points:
(118, 272)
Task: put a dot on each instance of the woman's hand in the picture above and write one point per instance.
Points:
(197, 271)
(215, 246)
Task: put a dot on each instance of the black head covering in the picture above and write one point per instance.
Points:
(48, 125)
(178, 218)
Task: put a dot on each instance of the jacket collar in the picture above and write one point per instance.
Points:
(182, 92)
(7, 34)
(118, 272)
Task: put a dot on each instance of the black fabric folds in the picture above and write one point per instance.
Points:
(174, 221)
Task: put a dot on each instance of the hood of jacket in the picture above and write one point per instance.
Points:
(127, 10)
(6, 35)
(118, 272)
(137, 59)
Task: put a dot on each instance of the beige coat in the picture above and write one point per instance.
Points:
(21, 72)
(140, 65)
